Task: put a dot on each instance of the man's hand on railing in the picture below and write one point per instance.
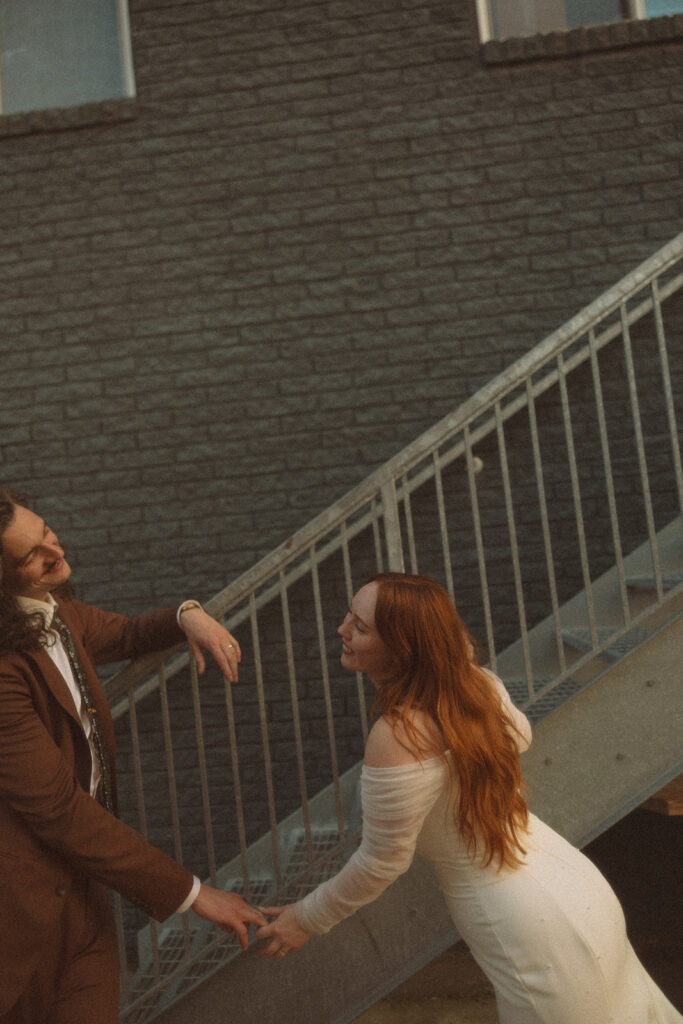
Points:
(228, 910)
(205, 634)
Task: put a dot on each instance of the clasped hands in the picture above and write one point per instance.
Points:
(233, 914)
(284, 934)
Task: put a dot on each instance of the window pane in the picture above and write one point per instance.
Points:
(512, 18)
(590, 12)
(658, 8)
(59, 53)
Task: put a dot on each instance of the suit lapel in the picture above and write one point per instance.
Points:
(96, 692)
(55, 682)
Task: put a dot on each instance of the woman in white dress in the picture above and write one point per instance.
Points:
(441, 776)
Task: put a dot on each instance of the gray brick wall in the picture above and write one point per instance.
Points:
(316, 230)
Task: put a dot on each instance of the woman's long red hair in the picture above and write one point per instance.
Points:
(434, 672)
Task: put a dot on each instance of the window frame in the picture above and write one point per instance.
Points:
(127, 70)
(126, 48)
(637, 12)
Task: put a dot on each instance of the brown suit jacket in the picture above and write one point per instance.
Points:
(51, 830)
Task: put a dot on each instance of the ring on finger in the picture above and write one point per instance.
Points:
(282, 952)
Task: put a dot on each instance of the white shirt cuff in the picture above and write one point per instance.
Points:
(191, 603)
(191, 897)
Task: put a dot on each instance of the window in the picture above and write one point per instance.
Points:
(63, 53)
(503, 19)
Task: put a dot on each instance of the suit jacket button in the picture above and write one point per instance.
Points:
(62, 890)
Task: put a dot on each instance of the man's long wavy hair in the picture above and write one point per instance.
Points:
(19, 630)
(434, 671)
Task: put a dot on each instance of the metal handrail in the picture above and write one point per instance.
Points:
(435, 438)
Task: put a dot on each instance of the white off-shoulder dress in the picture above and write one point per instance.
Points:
(550, 934)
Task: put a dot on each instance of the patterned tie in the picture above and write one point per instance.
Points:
(104, 790)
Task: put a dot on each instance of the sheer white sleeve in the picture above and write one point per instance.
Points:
(521, 729)
(395, 802)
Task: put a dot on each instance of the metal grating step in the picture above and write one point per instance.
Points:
(541, 706)
(670, 580)
(581, 640)
(300, 875)
(307, 866)
(171, 954)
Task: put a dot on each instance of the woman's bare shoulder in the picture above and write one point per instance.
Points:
(394, 743)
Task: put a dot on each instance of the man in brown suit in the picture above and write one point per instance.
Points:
(60, 841)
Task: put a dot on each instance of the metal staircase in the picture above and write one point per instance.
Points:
(642, 679)
(550, 506)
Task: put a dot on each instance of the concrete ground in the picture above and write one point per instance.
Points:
(450, 990)
(642, 857)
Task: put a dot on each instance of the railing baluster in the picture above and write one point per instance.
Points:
(576, 497)
(545, 525)
(640, 446)
(172, 790)
(410, 529)
(203, 774)
(379, 558)
(668, 392)
(142, 815)
(170, 765)
(514, 548)
(479, 543)
(609, 478)
(348, 582)
(237, 786)
(443, 526)
(329, 714)
(263, 719)
(296, 716)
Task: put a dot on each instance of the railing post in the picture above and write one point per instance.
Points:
(392, 527)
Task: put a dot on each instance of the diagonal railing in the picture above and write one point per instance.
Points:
(517, 501)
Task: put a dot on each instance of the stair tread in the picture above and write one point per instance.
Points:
(303, 871)
(299, 877)
(670, 579)
(296, 881)
(171, 949)
(581, 639)
(542, 706)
